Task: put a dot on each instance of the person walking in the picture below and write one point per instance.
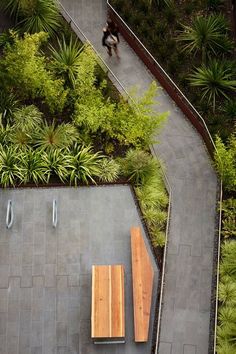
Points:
(111, 38)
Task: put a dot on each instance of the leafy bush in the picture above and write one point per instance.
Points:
(33, 79)
(225, 162)
(34, 15)
(137, 166)
(229, 218)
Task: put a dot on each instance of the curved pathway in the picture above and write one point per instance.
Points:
(187, 294)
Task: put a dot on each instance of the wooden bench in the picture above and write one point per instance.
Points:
(108, 304)
(142, 274)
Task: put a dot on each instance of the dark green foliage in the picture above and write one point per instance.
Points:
(8, 104)
(226, 330)
(66, 60)
(34, 15)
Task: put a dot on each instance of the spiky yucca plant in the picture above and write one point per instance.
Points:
(9, 170)
(34, 15)
(66, 59)
(52, 136)
(32, 167)
(206, 35)
(84, 165)
(58, 163)
(214, 80)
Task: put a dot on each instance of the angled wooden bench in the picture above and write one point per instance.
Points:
(142, 274)
(108, 304)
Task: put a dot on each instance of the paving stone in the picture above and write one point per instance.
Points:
(4, 274)
(61, 331)
(24, 343)
(50, 275)
(3, 323)
(26, 278)
(36, 334)
(3, 300)
(2, 344)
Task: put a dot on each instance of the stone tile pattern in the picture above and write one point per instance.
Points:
(45, 273)
(186, 313)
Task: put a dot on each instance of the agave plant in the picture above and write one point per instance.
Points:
(32, 167)
(52, 136)
(109, 170)
(214, 80)
(66, 59)
(9, 170)
(85, 165)
(206, 35)
(39, 16)
(58, 163)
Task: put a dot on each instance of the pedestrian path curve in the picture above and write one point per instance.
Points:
(187, 294)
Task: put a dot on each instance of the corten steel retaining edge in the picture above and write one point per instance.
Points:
(200, 126)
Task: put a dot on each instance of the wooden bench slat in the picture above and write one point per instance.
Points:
(142, 274)
(108, 313)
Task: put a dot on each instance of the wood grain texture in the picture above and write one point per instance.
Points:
(108, 303)
(142, 274)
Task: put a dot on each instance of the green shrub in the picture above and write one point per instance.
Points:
(33, 80)
(138, 165)
(225, 162)
(158, 238)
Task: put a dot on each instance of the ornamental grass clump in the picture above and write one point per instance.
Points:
(145, 174)
(109, 170)
(226, 329)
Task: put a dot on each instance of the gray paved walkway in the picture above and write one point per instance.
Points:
(45, 273)
(185, 319)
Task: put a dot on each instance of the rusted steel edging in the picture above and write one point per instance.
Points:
(163, 78)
